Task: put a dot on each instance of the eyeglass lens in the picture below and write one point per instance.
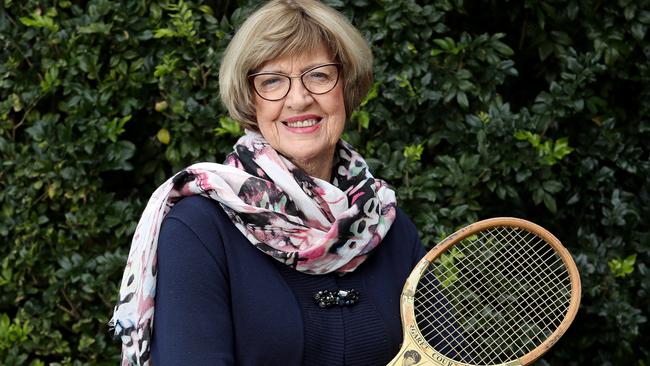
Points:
(274, 86)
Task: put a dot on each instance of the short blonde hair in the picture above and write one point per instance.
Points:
(285, 28)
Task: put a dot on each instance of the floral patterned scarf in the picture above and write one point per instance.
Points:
(314, 226)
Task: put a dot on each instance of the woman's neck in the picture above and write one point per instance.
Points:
(319, 167)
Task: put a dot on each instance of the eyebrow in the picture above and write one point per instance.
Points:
(309, 66)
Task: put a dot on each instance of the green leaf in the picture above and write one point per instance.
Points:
(549, 202)
(622, 268)
(163, 136)
(538, 196)
(638, 31)
(228, 127)
(545, 49)
(461, 98)
(446, 44)
(99, 27)
(552, 186)
(165, 32)
(206, 9)
(40, 21)
(413, 152)
(51, 79)
(644, 17)
(502, 48)
(361, 118)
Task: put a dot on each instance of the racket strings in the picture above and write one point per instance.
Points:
(510, 312)
(547, 264)
(493, 297)
(492, 345)
(455, 338)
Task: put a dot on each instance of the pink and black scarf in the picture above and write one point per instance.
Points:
(314, 226)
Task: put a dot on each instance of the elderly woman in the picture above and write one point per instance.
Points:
(290, 253)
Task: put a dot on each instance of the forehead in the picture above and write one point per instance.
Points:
(298, 62)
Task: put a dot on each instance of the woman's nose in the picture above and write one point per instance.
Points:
(298, 97)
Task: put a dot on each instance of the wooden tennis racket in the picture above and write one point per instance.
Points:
(501, 292)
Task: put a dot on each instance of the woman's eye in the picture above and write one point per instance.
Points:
(318, 76)
(270, 82)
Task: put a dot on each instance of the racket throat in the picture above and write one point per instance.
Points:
(416, 351)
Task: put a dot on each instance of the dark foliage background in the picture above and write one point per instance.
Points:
(531, 108)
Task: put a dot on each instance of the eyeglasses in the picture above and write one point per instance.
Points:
(274, 86)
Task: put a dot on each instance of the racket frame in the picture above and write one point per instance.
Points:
(414, 340)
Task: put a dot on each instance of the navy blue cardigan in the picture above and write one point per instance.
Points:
(221, 301)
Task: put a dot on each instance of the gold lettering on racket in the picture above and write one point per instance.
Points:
(417, 337)
(434, 358)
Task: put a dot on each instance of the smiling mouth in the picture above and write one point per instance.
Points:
(302, 124)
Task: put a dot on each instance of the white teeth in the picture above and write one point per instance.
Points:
(305, 123)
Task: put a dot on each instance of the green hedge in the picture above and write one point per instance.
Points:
(536, 109)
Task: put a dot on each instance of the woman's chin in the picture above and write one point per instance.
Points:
(305, 152)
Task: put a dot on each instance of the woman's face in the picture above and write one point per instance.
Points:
(304, 127)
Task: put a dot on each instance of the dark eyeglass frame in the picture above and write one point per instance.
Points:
(338, 76)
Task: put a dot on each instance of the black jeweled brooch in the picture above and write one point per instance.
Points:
(326, 299)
